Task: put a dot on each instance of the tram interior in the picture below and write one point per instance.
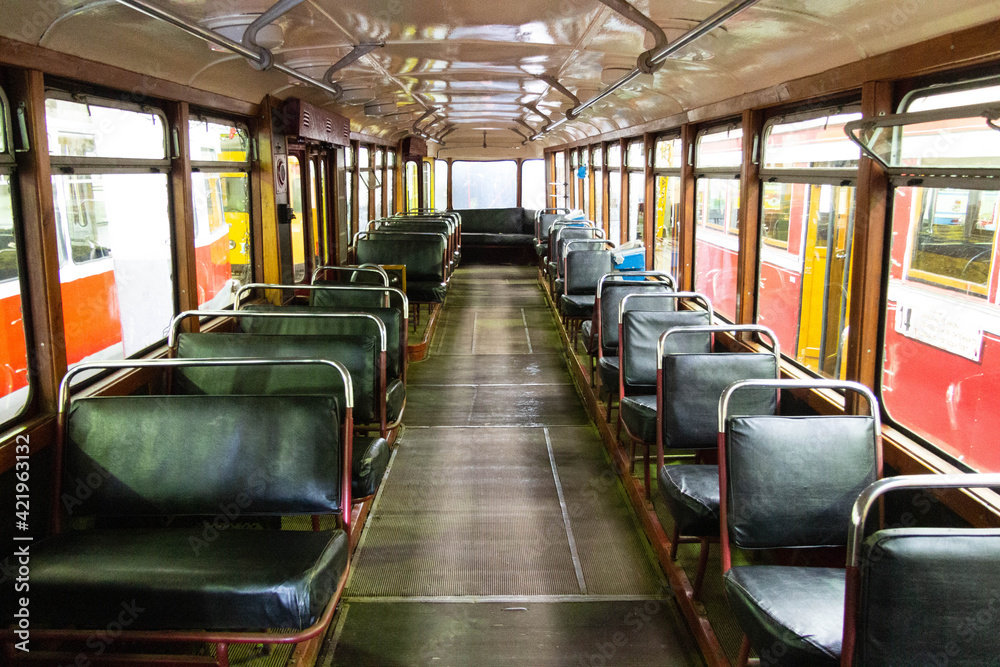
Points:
(589, 332)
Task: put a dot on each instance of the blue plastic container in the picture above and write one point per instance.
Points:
(633, 259)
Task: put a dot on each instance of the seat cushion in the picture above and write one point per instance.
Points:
(211, 576)
(542, 248)
(589, 340)
(792, 615)
(607, 367)
(558, 287)
(578, 305)
(691, 492)
(425, 291)
(395, 399)
(370, 459)
(639, 415)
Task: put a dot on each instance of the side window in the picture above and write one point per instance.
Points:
(941, 345)
(220, 184)
(110, 186)
(533, 184)
(718, 156)
(667, 163)
(636, 161)
(807, 228)
(15, 389)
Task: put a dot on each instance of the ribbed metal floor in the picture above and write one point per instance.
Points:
(500, 493)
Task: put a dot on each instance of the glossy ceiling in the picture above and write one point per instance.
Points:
(478, 62)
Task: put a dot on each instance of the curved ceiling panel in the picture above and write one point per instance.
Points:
(478, 63)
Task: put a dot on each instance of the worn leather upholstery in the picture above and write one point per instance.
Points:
(642, 329)
(607, 370)
(584, 267)
(691, 492)
(344, 300)
(693, 385)
(505, 227)
(792, 615)
(639, 414)
(793, 480)
(546, 220)
(395, 398)
(929, 596)
(589, 339)
(224, 458)
(331, 326)
(612, 293)
(357, 353)
(424, 258)
(165, 455)
(211, 576)
(577, 306)
(369, 459)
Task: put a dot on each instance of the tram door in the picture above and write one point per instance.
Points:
(826, 278)
(309, 200)
(297, 204)
(338, 211)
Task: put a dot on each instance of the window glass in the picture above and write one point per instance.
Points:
(720, 149)
(428, 184)
(14, 378)
(317, 197)
(297, 226)
(364, 177)
(533, 184)
(717, 205)
(376, 185)
(668, 207)
(614, 206)
(390, 185)
(379, 153)
(113, 229)
(78, 129)
(222, 235)
(412, 201)
(636, 205)
(805, 271)
(484, 184)
(561, 189)
(816, 143)
(614, 156)
(668, 153)
(940, 377)
(221, 211)
(635, 157)
(212, 141)
(441, 184)
(598, 194)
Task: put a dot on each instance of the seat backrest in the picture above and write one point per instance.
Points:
(692, 384)
(612, 293)
(545, 221)
(567, 234)
(640, 333)
(321, 326)
(554, 232)
(423, 254)
(359, 353)
(792, 480)
(929, 596)
(177, 455)
(349, 275)
(586, 263)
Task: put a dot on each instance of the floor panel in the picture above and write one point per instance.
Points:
(500, 493)
(639, 632)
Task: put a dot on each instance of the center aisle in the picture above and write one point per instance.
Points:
(499, 494)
